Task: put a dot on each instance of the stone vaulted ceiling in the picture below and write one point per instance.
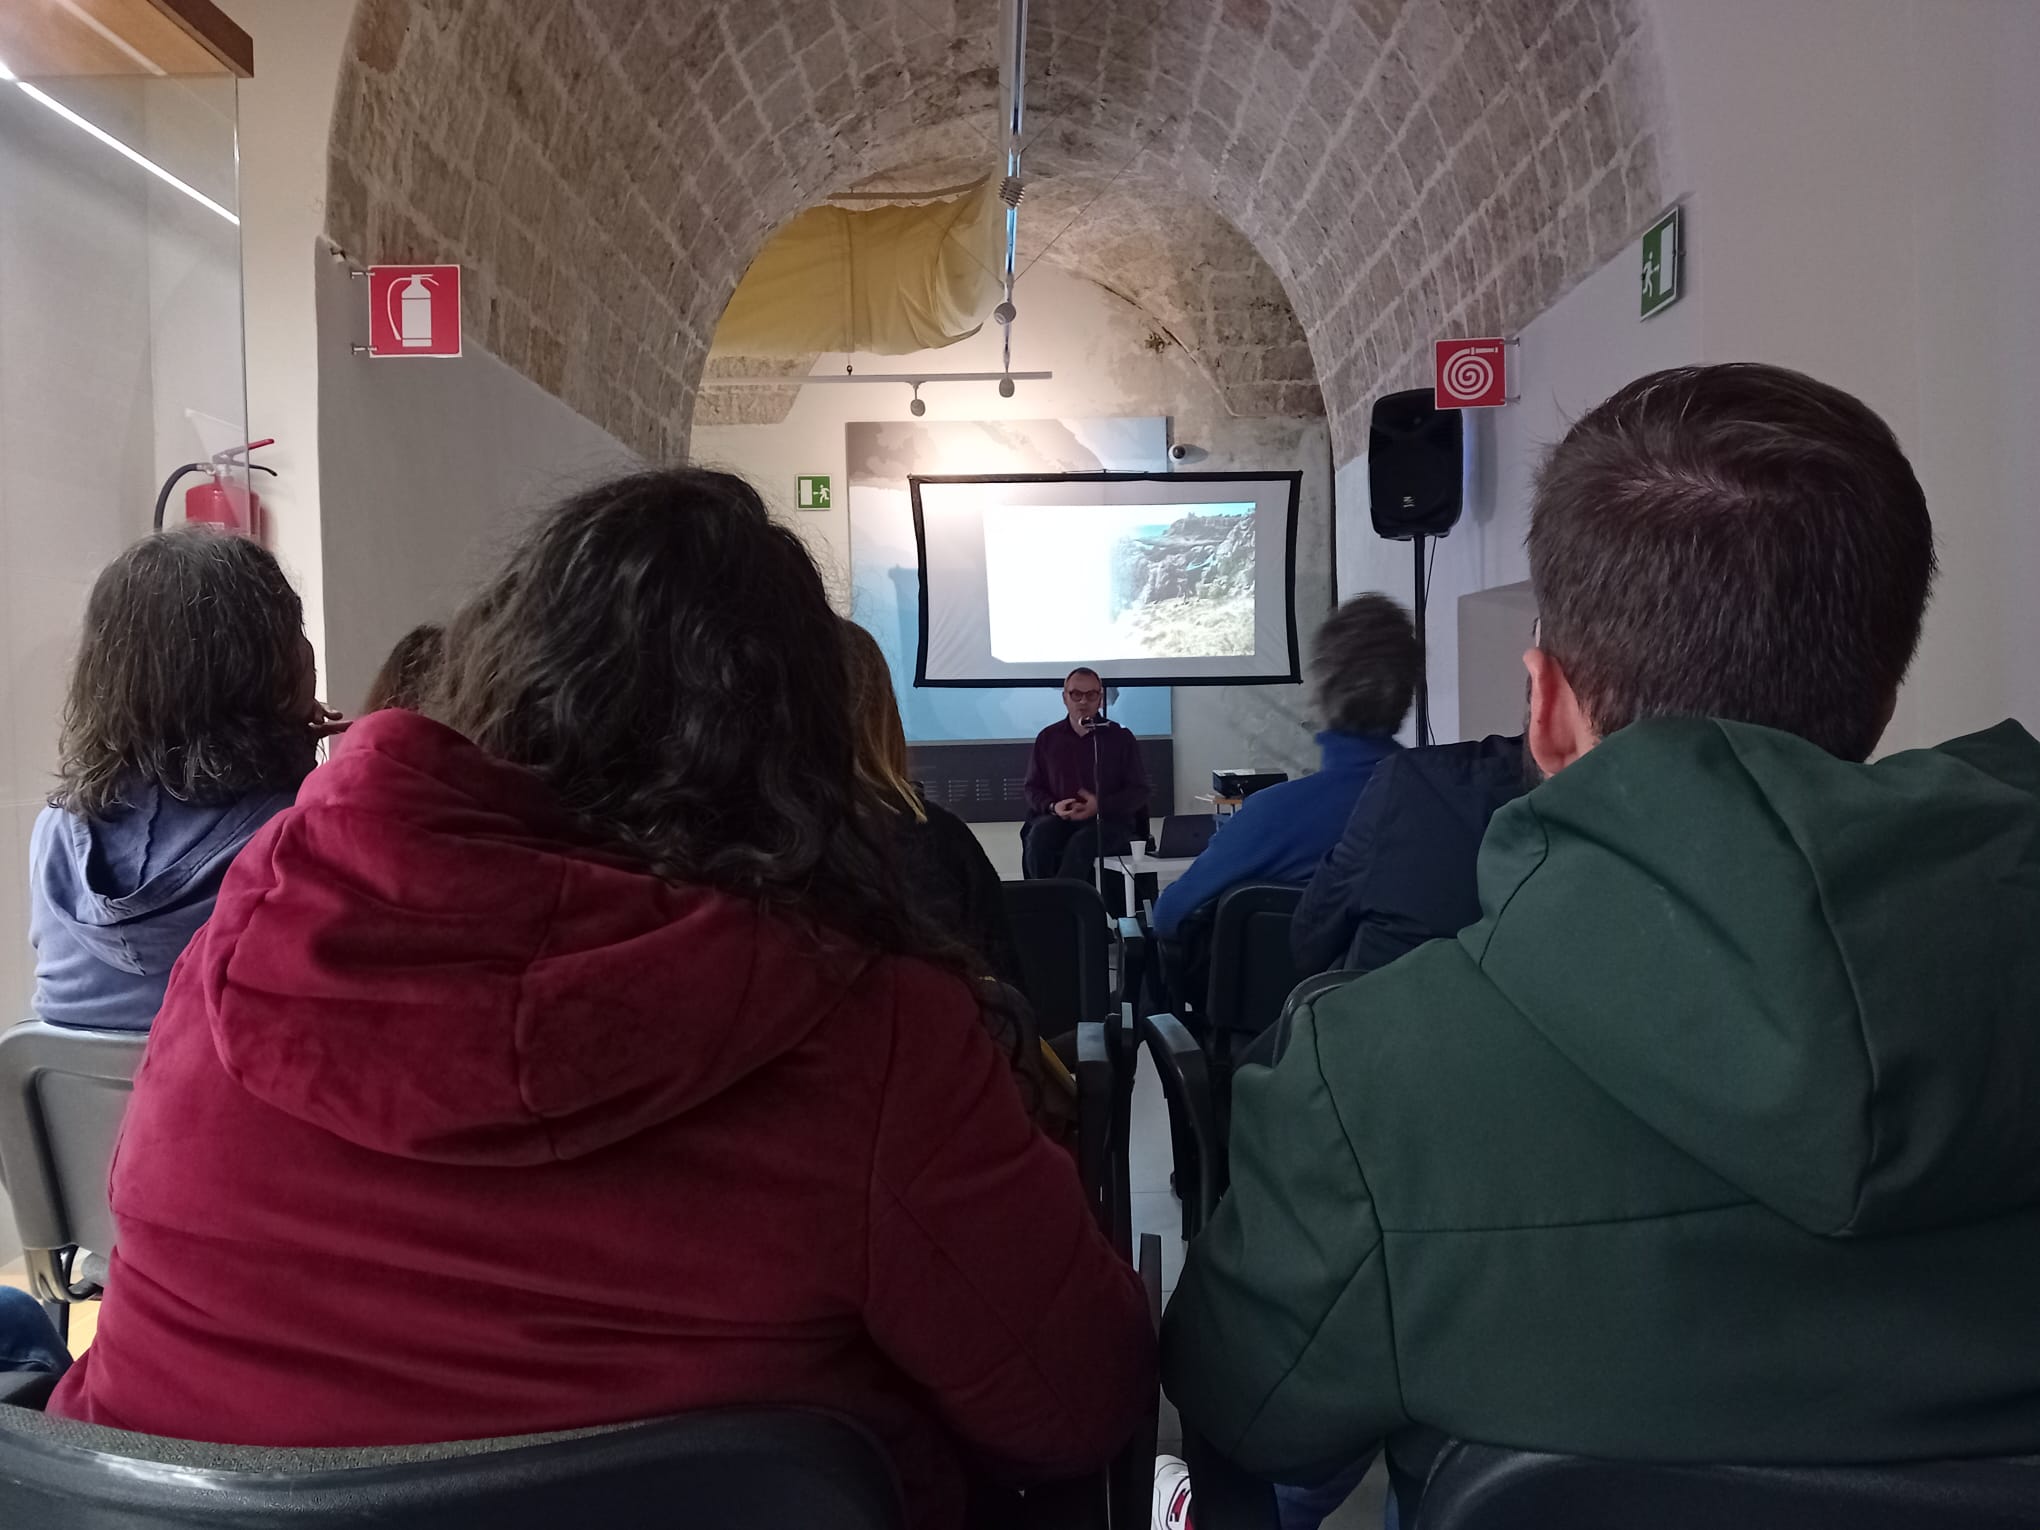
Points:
(1301, 193)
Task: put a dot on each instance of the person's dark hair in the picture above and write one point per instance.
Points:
(193, 675)
(1364, 666)
(663, 656)
(406, 675)
(880, 737)
(1083, 669)
(1735, 541)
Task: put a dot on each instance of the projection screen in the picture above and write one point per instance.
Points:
(1151, 578)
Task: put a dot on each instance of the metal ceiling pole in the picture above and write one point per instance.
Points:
(909, 378)
(1013, 87)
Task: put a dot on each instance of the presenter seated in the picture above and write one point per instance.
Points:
(1078, 783)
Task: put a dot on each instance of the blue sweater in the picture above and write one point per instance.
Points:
(1281, 832)
(113, 901)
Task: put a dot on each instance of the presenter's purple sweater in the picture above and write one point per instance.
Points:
(1061, 765)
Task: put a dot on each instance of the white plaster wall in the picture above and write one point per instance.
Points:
(1572, 356)
(1096, 344)
(1863, 197)
(427, 469)
(286, 120)
(1867, 208)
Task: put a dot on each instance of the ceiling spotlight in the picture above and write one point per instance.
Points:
(1005, 387)
(917, 406)
(1005, 313)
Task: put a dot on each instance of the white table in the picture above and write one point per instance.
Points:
(1166, 869)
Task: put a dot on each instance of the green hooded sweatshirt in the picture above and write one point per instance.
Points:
(1717, 1139)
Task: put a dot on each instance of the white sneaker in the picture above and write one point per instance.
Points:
(1172, 1494)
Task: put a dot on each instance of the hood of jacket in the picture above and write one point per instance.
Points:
(1818, 978)
(128, 890)
(425, 958)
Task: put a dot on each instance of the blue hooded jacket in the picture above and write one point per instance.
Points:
(114, 901)
(1281, 832)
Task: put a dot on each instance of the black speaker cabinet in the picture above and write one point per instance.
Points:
(1416, 466)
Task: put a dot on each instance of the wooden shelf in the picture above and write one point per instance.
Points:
(41, 39)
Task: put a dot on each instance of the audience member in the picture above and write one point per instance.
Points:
(599, 957)
(1402, 872)
(1713, 1139)
(1364, 676)
(944, 868)
(189, 723)
(406, 675)
(28, 1340)
(1085, 777)
(946, 874)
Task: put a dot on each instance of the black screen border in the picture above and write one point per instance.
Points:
(1292, 476)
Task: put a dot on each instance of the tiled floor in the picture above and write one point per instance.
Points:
(1002, 846)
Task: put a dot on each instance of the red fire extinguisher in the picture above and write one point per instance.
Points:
(225, 499)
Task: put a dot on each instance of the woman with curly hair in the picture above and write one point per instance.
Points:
(190, 723)
(568, 1055)
(406, 676)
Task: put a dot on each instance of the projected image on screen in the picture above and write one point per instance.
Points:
(1161, 578)
(1120, 581)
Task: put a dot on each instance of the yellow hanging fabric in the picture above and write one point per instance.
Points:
(889, 280)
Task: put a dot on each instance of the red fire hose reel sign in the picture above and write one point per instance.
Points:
(414, 310)
(1472, 374)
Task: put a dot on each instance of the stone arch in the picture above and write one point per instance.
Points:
(608, 168)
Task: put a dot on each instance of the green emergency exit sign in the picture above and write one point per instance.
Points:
(811, 493)
(1662, 248)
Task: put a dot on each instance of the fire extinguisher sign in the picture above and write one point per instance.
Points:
(414, 310)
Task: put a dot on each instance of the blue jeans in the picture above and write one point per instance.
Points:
(1305, 1508)
(28, 1340)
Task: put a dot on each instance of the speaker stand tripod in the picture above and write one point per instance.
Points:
(1423, 647)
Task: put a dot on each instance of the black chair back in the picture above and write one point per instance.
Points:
(740, 1469)
(1485, 1487)
(63, 1093)
(1312, 987)
(1223, 1496)
(1252, 970)
(1059, 931)
(1196, 1142)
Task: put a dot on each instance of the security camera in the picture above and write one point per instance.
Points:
(1182, 451)
(1005, 313)
(1005, 387)
(917, 408)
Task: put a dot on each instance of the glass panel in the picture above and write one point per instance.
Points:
(120, 359)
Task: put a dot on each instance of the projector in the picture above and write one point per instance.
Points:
(1237, 785)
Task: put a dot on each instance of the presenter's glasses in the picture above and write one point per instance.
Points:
(1085, 695)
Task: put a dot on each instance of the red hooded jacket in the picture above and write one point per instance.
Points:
(451, 1127)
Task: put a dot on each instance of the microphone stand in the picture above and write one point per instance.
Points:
(1098, 817)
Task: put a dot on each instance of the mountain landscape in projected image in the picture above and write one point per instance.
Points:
(1187, 587)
